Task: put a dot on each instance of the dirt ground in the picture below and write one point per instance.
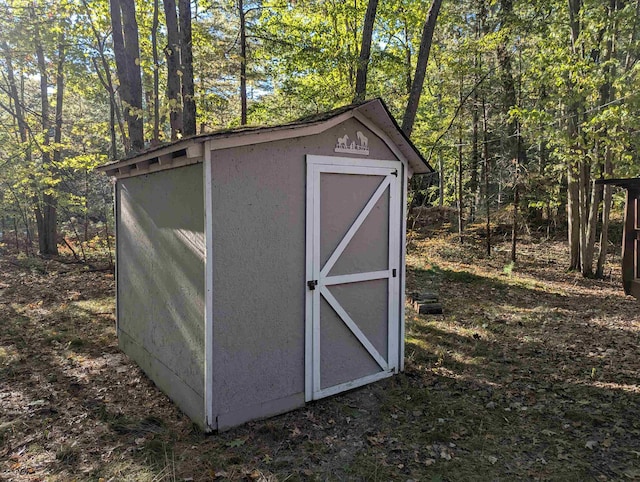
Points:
(531, 373)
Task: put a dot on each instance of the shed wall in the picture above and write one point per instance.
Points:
(161, 251)
(258, 206)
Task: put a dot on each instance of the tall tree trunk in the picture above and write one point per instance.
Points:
(475, 119)
(485, 155)
(186, 57)
(607, 93)
(421, 68)
(51, 202)
(516, 201)
(514, 142)
(573, 216)
(407, 57)
(156, 74)
(365, 51)
(243, 65)
(127, 54)
(475, 157)
(440, 162)
(606, 211)
(574, 172)
(460, 169)
(106, 80)
(172, 54)
(47, 228)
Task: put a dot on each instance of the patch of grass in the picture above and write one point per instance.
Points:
(68, 454)
(372, 467)
(35, 265)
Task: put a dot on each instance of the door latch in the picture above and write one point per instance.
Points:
(394, 272)
(312, 284)
(395, 173)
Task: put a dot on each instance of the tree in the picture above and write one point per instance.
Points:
(186, 56)
(127, 54)
(365, 51)
(421, 67)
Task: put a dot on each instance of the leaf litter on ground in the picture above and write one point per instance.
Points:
(531, 374)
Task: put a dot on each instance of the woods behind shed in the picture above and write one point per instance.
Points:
(261, 268)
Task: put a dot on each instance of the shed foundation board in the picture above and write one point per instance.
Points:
(160, 250)
(270, 408)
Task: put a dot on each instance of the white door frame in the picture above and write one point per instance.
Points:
(318, 276)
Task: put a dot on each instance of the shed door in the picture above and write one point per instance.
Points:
(353, 269)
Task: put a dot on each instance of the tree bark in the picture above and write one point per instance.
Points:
(106, 80)
(172, 54)
(243, 65)
(127, 54)
(365, 51)
(47, 225)
(460, 177)
(485, 155)
(186, 57)
(606, 211)
(156, 75)
(421, 68)
(607, 93)
(574, 172)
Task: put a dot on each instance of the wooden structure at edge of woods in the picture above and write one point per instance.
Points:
(631, 234)
(261, 268)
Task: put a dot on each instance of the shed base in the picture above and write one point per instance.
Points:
(228, 420)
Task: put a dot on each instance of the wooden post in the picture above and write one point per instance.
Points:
(635, 282)
(629, 238)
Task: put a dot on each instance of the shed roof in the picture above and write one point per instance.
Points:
(374, 114)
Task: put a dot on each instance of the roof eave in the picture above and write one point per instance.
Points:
(191, 150)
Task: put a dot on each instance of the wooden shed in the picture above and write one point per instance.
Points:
(261, 268)
(630, 235)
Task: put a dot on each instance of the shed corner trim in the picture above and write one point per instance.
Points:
(210, 420)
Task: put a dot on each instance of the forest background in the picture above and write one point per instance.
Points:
(522, 104)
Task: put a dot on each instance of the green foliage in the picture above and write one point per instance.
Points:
(302, 59)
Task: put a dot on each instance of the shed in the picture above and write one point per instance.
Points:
(630, 235)
(262, 268)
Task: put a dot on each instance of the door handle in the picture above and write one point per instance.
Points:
(312, 284)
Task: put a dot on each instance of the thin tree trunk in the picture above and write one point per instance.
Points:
(607, 93)
(407, 58)
(475, 152)
(15, 232)
(606, 211)
(107, 82)
(421, 68)
(243, 65)
(460, 158)
(589, 251)
(583, 210)
(365, 51)
(47, 229)
(575, 174)
(51, 205)
(156, 75)
(440, 162)
(485, 154)
(475, 158)
(573, 217)
(516, 201)
(186, 57)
